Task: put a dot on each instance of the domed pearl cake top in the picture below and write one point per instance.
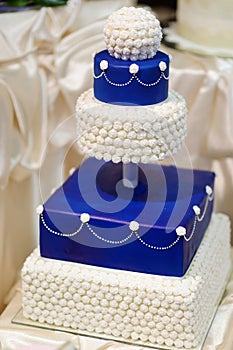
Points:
(132, 34)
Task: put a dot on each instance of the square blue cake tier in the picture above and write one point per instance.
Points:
(155, 228)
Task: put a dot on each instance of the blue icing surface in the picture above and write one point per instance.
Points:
(134, 93)
(92, 189)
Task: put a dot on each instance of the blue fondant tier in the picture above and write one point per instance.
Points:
(117, 85)
(155, 228)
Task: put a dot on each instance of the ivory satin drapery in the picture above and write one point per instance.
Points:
(206, 82)
(45, 63)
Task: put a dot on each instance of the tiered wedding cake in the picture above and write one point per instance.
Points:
(130, 249)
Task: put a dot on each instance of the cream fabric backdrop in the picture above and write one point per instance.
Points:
(45, 63)
(207, 86)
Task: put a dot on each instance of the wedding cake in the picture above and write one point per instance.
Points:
(206, 22)
(130, 249)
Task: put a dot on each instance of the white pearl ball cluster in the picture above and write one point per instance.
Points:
(132, 34)
(130, 134)
(135, 307)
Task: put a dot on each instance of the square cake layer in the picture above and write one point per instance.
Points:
(155, 228)
(152, 310)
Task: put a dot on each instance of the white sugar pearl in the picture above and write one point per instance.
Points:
(53, 314)
(181, 231)
(36, 283)
(104, 303)
(162, 66)
(112, 311)
(133, 68)
(27, 279)
(50, 306)
(62, 302)
(58, 308)
(45, 298)
(104, 64)
(40, 209)
(144, 308)
(174, 320)
(127, 126)
(148, 316)
(160, 340)
(144, 337)
(71, 171)
(41, 305)
(188, 315)
(209, 190)
(73, 325)
(124, 34)
(35, 317)
(160, 296)
(184, 322)
(45, 313)
(179, 314)
(160, 326)
(152, 339)
(134, 225)
(28, 295)
(133, 306)
(196, 210)
(54, 300)
(135, 321)
(178, 328)
(165, 333)
(166, 319)
(134, 336)
(60, 317)
(37, 297)
(140, 315)
(169, 342)
(84, 217)
(58, 294)
(28, 309)
(178, 343)
(58, 322)
(123, 305)
(117, 319)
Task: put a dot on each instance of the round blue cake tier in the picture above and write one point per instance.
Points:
(125, 82)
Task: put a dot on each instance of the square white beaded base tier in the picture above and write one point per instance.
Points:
(151, 310)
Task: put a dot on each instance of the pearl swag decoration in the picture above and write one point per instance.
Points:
(133, 69)
(134, 226)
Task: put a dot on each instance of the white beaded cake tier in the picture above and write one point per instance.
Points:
(136, 134)
(150, 310)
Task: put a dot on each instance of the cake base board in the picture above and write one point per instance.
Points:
(19, 319)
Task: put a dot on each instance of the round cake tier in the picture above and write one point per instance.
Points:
(136, 134)
(131, 83)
